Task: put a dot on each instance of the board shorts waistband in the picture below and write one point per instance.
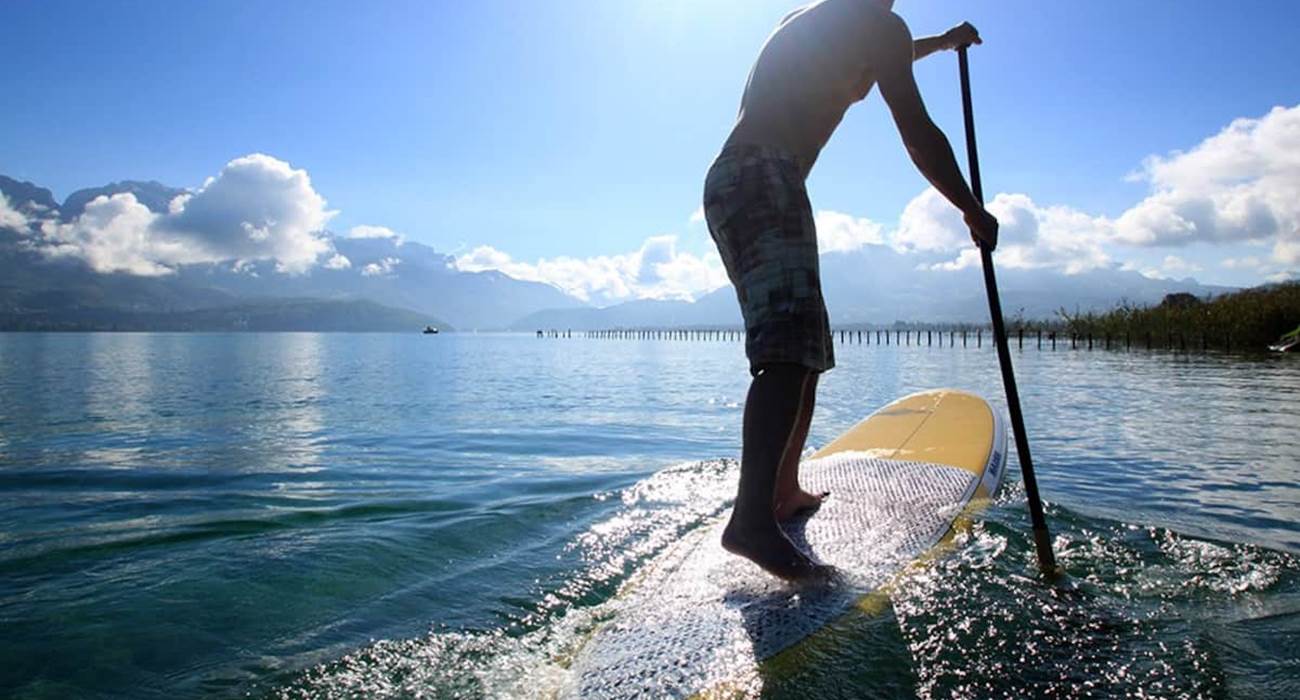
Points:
(741, 150)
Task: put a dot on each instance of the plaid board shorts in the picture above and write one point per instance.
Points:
(761, 220)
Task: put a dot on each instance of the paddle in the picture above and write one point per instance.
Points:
(1042, 539)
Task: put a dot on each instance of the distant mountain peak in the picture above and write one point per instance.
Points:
(154, 195)
(28, 198)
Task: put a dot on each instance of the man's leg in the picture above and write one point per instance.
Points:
(791, 501)
(773, 410)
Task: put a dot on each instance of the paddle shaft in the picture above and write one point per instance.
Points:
(1042, 539)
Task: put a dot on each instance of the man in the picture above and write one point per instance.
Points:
(821, 59)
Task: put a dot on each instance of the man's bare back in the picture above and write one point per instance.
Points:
(826, 56)
(813, 67)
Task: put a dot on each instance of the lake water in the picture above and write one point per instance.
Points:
(330, 516)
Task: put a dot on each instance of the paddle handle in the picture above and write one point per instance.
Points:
(1042, 538)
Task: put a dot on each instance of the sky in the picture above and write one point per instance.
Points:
(567, 140)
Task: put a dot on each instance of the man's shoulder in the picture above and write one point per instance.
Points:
(868, 19)
(886, 24)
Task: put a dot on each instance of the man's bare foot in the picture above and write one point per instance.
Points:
(800, 504)
(763, 543)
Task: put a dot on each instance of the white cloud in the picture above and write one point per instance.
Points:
(383, 268)
(10, 217)
(969, 257)
(929, 224)
(338, 262)
(843, 233)
(1029, 236)
(114, 234)
(1171, 267)
(1249, 262)
(1174, 265)
(376, 232)
(697, 216)
(256, 208)
(1287, 251)
(1243, 184)
(658, 270)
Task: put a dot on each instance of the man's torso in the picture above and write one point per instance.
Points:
(812, 68)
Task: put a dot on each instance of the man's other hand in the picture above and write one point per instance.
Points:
(983, 229)
(961, 35)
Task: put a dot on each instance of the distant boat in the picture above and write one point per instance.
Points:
(430, 330)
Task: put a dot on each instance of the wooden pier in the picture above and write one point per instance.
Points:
(968, 337)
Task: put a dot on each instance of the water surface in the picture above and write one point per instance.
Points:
(300, 515)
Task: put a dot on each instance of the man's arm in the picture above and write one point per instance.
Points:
(925, 142)
(963, 34)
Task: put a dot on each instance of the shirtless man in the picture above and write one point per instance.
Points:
(821, 59)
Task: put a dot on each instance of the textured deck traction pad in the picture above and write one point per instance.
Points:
(700, 616)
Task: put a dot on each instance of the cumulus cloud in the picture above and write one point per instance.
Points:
(1029, 236)
(383, 268)
(843, 233)
(658, 270)
(10, 217)
(256, 208)
(929, 224)
(114, 234)
(338, 262)
(376, 232)
(1242, 184)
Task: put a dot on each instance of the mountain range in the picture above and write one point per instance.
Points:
(392, 284)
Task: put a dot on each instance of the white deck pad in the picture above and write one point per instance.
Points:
(700, 617)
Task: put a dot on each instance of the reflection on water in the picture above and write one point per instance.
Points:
(209, 515)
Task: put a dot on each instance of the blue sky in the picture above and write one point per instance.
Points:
(582, 128)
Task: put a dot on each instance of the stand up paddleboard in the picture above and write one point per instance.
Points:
(702, 622)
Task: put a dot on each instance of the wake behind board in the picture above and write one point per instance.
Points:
(700, 621)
